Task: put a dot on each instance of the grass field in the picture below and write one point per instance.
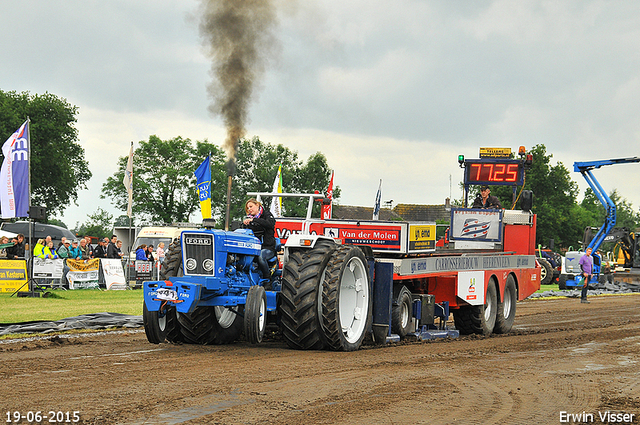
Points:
(64, 304)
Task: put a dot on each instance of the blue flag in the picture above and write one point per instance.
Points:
(14, 175)
(203, 180)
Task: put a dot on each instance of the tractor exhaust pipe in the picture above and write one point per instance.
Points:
(226, 222)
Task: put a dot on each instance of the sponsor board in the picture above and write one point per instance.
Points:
(13, 275)
(469, 224)
(382, 236)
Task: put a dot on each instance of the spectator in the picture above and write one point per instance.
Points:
(50, 251)
(74, 251)
(84, 249)
(101, 250)
(4, 244)
(89, 246)
(61, 244)
(38, 250)
(63, 251)
(160, 252)
(112, 250)
(141, 252)
(119, 248)
(150, 253)
(17, 251)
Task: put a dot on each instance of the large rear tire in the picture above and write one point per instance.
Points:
(346, 299)
(546, 271)
(255, 314)
(478, 319)
(401, 311)
(507, 308)
(300, 294)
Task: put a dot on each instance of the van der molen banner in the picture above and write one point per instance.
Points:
(14, 175)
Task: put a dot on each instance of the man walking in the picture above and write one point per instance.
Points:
(586, 265)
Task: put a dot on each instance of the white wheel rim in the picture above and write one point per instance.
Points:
(224, 316)
(488, 309)
(162, 322)
(507, 303)
(404, 314)
(353, 304)
(263, 315)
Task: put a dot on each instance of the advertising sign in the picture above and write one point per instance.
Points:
(471, 287)
(422, 237)
(113, 273)
(13, 275)
(83, 274)
(46, 268)
(476, 225)
(383, 236)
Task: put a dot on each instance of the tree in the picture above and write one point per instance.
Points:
(164, 185)
(100, 224)
(257, 166)
(58, 165)
(163, 181)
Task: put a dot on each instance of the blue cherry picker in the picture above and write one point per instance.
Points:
(570, 276)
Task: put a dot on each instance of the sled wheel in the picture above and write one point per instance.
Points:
(401, 311)
(346, 299)
(478, 319)
(507, 308)
(255, 314)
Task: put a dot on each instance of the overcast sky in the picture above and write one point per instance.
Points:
(390, 90)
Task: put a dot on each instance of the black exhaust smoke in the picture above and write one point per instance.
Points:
(238, 38)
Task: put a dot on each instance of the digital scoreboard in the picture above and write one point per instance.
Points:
(494, 171)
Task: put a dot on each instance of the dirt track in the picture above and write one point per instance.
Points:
(562, 356)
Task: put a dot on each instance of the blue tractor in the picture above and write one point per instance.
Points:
(210, 290)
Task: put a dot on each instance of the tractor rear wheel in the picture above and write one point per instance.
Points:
(299, 298)
(478, 319)
(255, 314)
(346, 299)
(546, 272)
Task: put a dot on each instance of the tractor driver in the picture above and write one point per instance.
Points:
(262, 223)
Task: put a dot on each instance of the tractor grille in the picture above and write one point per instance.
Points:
(198, 254)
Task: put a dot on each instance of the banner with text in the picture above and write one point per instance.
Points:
(113, 273)
(46, 268)
(83, 274)
(13, 275)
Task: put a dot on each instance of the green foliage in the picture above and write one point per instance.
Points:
(100, 225)
(163, 181)
(58, 165)
(164, 185)
(57, 222)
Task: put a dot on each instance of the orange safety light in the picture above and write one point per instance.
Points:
(521, 150)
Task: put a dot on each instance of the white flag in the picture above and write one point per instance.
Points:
(276, 201)
(128, 180)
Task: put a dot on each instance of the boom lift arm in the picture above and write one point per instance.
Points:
(585, 168)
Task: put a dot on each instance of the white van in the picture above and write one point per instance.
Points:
(155, 235)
